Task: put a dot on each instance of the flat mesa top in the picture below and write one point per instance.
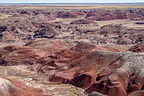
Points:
(72, 5)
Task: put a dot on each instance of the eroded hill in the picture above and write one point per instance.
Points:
(71, 52)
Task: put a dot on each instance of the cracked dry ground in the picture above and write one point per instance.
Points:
(22, 74)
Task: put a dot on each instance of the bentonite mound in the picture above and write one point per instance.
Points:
(14, 88)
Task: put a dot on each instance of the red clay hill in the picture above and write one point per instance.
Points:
(10, 87)
(94, 68)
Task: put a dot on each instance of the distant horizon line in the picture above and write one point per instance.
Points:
(68, 3)
(73, 3)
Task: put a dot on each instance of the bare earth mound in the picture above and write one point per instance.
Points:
(13, 88)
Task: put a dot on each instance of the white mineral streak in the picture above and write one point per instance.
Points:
(4, 87)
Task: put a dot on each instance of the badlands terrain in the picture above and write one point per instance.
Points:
(72, 50)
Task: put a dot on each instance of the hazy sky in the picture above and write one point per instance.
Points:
(69, 1)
